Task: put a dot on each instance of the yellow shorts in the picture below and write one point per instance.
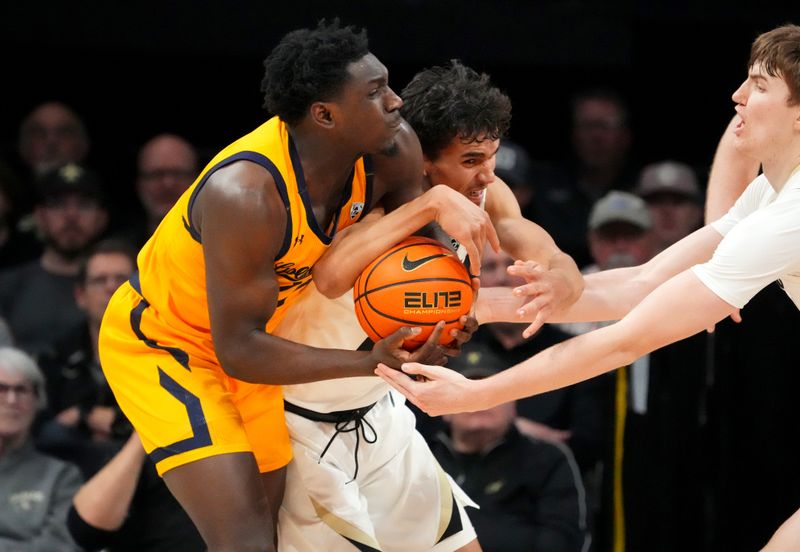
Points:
(183, 406)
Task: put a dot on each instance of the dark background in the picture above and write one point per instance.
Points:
(194, 67)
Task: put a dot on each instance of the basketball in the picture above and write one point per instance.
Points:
(417, 282)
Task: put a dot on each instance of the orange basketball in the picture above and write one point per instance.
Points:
(417, 282)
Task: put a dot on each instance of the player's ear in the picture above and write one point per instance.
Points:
(322, 115)
(427, 166)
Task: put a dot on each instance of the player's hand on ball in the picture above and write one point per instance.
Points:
(469, 327)
(390, 351)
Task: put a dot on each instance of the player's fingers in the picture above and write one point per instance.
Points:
(532, 328)
(396, 338)
(476, 285)
(428, 371)
(431, 352)
(736, 316)
(474, 257)
(396, 379)
(531, 289)
(469, 324)
(491, 235)
(525, 269)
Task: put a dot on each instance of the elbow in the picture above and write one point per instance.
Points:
(332, 288)
(232, 359)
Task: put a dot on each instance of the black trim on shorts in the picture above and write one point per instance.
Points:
(455, 525)
(197, 420)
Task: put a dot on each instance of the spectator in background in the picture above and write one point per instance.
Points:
(35, 490)
(126, 507)
(51, 136)
(572, 415)
(654, 411)
(601, 161)
(529, 490)
(83, 413)
(167, 165)
(513, 166)
(37, 298)
(676, 205)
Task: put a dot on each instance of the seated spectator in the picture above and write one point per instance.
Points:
(167, 165)
(37, 298)
(513, 166)
(676, 205)
(126, 507)
(601, 161)
(50, 136)
(35, 490)
(83, 413)
(529, 491)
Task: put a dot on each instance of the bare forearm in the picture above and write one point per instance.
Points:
(565, 265)
(338, 268)
(264, 358)
(645, 329)
(103, 501)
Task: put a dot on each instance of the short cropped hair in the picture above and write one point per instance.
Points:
(107, 246)
(20, 363)
(310, 65)
(778, 52)
(446, 101)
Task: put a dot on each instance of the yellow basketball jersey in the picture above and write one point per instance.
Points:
(171, 275)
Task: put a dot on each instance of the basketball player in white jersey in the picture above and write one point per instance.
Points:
(362, 477)
(689, 287)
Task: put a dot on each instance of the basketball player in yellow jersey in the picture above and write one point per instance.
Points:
(186, 344)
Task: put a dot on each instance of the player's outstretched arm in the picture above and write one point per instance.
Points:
(554, 280)
(730, 174)
(681, 307)
(607, 295)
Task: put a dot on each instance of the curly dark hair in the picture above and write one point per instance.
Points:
(453, 100)
(310, 65)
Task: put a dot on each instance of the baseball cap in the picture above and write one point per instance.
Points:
(668, 177)
(70, 178)
(617, 206)
(477, 361)
(512, 164)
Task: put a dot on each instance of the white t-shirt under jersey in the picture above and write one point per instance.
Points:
(761, 244)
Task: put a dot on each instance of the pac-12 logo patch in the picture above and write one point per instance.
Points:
(356, 208)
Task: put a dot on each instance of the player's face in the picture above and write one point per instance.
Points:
(467, 167)
(370, 109)
(767, 121)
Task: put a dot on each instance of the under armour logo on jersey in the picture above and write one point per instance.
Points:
(356, 208)
(299, 239)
